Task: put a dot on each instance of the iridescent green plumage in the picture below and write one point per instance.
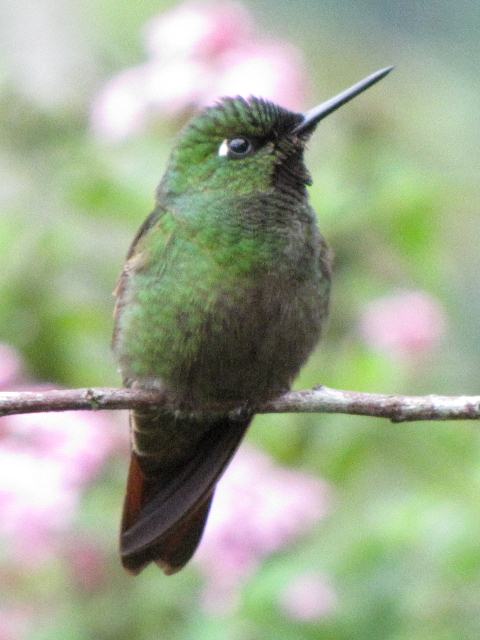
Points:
(223, 296)
(231, 244)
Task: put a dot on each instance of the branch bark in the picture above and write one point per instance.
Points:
(396, 408)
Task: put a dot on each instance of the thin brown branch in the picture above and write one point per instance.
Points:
(320, 400)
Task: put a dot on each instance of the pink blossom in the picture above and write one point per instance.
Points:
(198, 30)
(308, 598)
(88, 565)
(34, 501)
(120, 108)
(198, 52)
(45, 462)
(269, 69)
(14, 623)
(79, 440)
(404, 324)
(259, 508)
(174, 87)
(131, 100)
(10, 366)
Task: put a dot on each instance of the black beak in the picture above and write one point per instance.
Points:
(313, 117)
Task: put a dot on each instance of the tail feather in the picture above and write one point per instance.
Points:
(164, 516)
(175, 548)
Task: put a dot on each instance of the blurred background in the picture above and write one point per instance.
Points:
(325, 526)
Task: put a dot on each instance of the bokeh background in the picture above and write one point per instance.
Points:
(325, 526)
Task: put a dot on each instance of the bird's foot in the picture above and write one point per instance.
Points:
(244, 412)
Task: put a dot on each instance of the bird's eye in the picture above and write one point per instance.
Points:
(235, 148)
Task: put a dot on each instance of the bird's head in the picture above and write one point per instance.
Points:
(241, 146)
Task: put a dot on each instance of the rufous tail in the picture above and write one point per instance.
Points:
(165, 512)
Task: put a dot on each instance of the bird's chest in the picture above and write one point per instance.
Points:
(232, 321)
(254, 340)
(259, 311)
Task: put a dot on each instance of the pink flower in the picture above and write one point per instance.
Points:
(271, 70)
(198, 29)
(197, 53)
(46, 460)
(34, 496)
(404, 324)
(259, 508)
(14, 623)
(79, 440)
(10, 366)
(308, 598)
(177, 86)
(120, 108)
(88, 564)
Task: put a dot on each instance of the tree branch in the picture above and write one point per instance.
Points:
(319, 400)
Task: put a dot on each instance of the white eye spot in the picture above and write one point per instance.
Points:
(223, 149)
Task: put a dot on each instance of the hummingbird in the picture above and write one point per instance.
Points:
(223, 296)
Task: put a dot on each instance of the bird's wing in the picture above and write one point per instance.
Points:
(134, 259)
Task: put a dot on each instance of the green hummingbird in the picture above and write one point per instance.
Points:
(223, 296)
